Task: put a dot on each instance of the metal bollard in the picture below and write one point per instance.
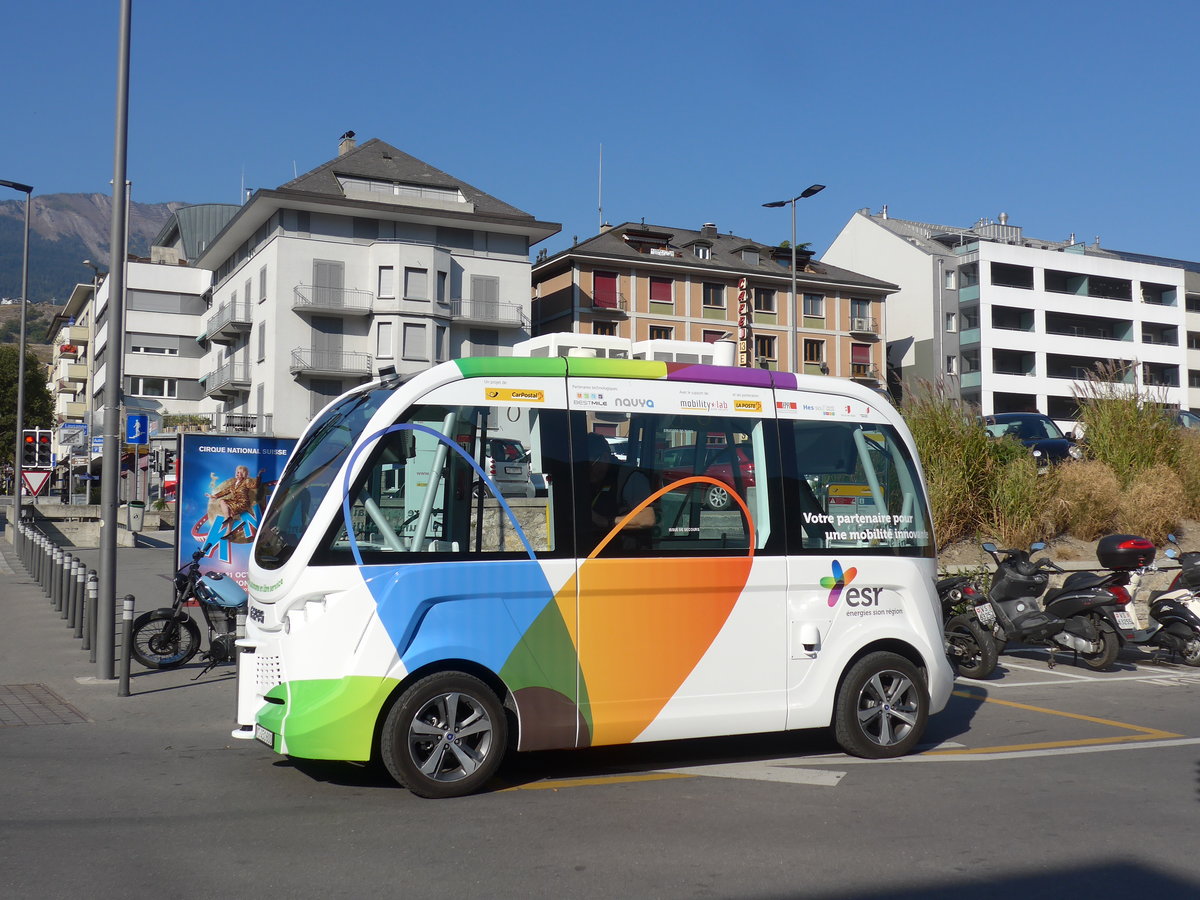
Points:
(48, 573)
(126, 638)
(68, 582)
(56, 579)
(89, 626)
(37, 558)
(77, 598)
(64, 609)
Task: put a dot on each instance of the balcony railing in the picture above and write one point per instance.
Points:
(616, 305)
(864, 371)
(230, 320)
(489, 312)
(338, 301)
(254, 423)
(311, 361)
(864, 324)
(233, 377)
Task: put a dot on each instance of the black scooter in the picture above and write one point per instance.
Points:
(968, 620)
(1174, 623)
(1073, 615)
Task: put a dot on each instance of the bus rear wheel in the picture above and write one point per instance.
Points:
(881, 707)
(445, 736)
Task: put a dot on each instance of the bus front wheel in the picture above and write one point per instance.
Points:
(881, 707)
(445, 736)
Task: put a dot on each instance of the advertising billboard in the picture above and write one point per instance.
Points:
(224, 484)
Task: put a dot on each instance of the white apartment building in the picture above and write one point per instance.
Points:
(1016, 322)
(371, 260)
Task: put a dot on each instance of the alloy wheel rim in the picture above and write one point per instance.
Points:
(450, 737)
(887, 708)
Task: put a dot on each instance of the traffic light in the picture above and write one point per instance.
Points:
(29, 448)
(168, 461)
(45, 459)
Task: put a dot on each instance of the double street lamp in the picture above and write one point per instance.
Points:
(775, 204)
(20, 423)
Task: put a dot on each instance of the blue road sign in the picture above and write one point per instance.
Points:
(137, 429)
(97, 444)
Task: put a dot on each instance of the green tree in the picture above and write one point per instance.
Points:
(39, 407)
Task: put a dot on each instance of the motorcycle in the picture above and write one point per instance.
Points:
(968, 639)
(1071, 618)
(169, 637)
(1174, 623)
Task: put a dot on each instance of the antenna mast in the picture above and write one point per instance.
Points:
(600, 192)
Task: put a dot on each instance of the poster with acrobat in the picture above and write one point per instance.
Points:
(225, 482)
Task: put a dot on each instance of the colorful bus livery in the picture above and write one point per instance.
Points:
(401, 606)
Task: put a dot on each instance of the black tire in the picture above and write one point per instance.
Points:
(882, 706)
(1191, 651)
(1110, 646)
(716, 498)
(973, 650)
(163, 639)
(445, 736)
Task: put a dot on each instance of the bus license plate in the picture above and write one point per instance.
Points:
(262, 734)
(512, 470)
(1124, 620)
(985, 614)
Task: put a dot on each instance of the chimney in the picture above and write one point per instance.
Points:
(709, 229)
(1003, 218)
(346, 143)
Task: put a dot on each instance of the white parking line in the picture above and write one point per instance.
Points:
(780, 771)
(1179, 678)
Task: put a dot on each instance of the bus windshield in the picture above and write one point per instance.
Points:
(310, 472)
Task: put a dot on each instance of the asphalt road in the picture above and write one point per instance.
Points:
(1036, 783)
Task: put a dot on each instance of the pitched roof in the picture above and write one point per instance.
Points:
(379, 161)
(650, 244)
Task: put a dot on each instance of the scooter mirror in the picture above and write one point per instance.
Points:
(1171, 553)
(1038, 545)
(1172, 539)
(989, 547)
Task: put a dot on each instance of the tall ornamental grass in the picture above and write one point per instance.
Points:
(1129, 431)
(958, 457)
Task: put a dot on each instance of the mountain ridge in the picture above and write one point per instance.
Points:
(64, 230)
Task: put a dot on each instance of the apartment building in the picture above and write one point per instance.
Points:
(647, 282)
(1017, 323)
(372, 260)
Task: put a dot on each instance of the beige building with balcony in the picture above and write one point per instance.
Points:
(372, 260)
(646, 282)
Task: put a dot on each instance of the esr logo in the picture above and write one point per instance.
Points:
(839, 582)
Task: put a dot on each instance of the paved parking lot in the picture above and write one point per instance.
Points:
(1037, 782)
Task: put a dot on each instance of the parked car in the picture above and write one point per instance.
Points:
(1035, 431)
(1185, 419)
(507, 464)
(715, 462)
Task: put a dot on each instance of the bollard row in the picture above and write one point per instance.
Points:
(71, 587)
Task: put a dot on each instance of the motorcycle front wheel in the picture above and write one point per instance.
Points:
(972, 650)
(163, 639)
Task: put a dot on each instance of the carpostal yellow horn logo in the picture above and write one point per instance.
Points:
(515, 395)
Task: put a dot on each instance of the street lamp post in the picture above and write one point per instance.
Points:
(20, 423)
(775, 204)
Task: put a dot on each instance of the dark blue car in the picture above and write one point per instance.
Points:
(1035, 431)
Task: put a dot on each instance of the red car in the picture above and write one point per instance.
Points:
(714, 461)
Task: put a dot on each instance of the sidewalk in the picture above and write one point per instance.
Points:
(38, 649)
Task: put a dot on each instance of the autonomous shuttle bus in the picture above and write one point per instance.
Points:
(402, 608)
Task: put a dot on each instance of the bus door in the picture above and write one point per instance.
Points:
(819, 458)
(679, 592)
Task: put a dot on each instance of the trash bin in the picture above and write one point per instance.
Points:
(136, 510)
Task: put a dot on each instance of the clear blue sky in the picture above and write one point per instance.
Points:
(1069, 116)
